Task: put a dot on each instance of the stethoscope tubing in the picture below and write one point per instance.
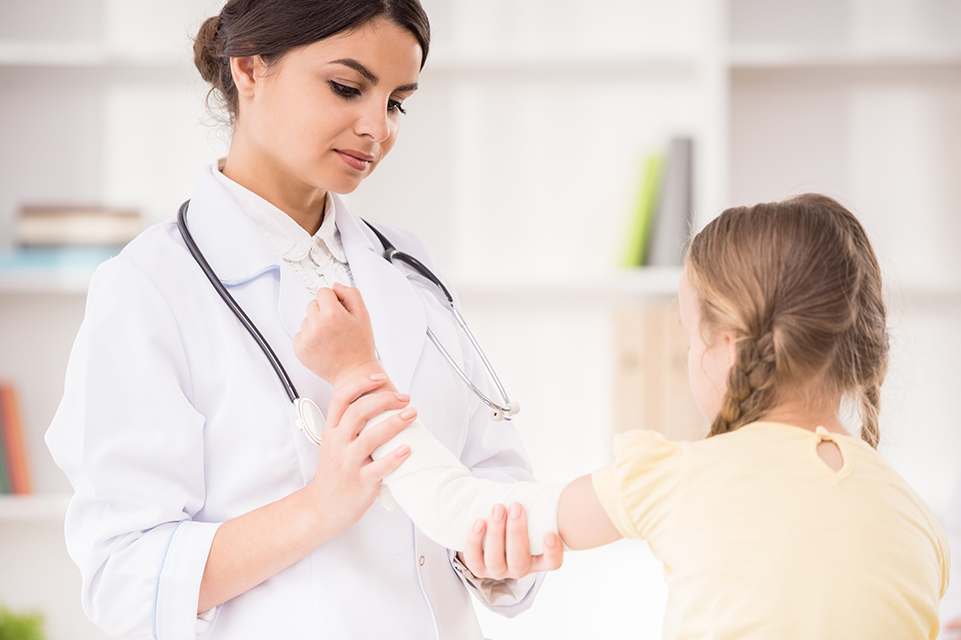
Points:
(232, 304)
(308, 414)
(505, 411)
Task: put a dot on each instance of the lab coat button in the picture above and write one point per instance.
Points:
(422, 560)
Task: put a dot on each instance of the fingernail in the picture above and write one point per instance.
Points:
(515, 511)
(403, 397)
(478, 525)
(499, 512)
(550, 539)
(403, 451)
(408, 413)
(378, 377)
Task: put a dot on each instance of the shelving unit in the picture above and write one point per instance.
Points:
(517, 165)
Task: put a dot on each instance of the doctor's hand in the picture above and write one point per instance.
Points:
(348, 480)
(335, 340)
(498, 548)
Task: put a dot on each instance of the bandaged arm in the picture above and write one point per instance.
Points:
(444, 500)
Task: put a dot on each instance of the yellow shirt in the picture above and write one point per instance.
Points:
(761, 539)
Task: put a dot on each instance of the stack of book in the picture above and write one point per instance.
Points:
(76, 226)
(14, 467)
(662, 221)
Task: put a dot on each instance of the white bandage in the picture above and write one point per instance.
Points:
(439, 494)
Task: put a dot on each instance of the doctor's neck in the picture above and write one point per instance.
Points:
(305, 205)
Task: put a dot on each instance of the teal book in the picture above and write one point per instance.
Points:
(639, 234)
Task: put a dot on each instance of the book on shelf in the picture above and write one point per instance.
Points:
(663, 215)
(4, 472)
(638, 237)
(15, 462)
(76, 226)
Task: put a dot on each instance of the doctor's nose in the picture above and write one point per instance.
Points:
(374, 122)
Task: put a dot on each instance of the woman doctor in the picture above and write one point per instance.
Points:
(200, 510)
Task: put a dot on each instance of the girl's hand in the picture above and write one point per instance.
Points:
(348, 479)
(335, 340)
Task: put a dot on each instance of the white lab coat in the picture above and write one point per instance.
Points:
(173, 421)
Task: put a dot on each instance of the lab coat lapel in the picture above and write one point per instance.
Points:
(238, 252)
(230, 241)
(396, 309)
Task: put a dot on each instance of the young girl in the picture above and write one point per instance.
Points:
(780, 524)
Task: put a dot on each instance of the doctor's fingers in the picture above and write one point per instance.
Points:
(494, 559)
(518, 545)
(326, 303)
(351, 300)
(348, 393)
(366, 408)
(382, 467)
(553, 556)
(383, 432)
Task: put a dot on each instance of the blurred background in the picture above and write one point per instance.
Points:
(524, 162)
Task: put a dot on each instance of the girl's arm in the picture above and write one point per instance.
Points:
(432, 487)
(581, 520)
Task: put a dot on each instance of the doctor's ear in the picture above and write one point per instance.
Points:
(246, 72)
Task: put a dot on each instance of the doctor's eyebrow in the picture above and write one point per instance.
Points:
(368, 75)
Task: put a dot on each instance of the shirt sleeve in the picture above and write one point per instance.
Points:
(131, 444)
(639, 489)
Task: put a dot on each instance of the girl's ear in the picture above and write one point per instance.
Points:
(730, 347)
(246, 72)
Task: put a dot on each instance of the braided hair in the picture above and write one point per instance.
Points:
(799, 285)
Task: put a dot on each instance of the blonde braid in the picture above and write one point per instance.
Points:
(751, 381)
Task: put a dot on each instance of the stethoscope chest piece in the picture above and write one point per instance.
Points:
(310, 420)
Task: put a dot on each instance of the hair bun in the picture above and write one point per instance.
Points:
(208, 51)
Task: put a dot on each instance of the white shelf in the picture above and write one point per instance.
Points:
(33, 508)
(775, 56)
(563, 63)
(84, 55)
(625, 287)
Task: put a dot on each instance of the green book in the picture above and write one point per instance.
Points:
(639, 234)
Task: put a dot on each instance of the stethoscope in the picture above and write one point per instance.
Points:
(310, 419)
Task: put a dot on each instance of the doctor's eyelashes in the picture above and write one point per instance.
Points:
(349, 93)
(344, 91)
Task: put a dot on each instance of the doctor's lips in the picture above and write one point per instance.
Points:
(355, 159)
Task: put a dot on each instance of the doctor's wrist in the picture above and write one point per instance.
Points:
(362, 370)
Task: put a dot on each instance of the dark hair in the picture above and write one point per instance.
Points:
(800, 286)
(271, 28)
